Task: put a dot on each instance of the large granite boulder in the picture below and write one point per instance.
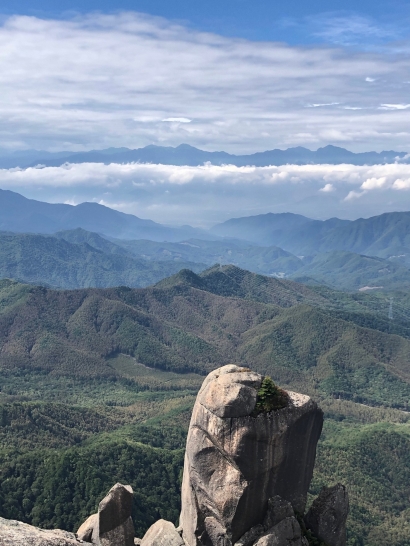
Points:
(16, 533)
(327, 516)
(112, 525)
(236, 461)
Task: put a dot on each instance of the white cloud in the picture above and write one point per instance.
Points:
(207, 194)
(178, 120)
(354, 195)
(327, 188)
(394, 106)
(109, 80)
(321, 104)
(352, 30)
(370, 80)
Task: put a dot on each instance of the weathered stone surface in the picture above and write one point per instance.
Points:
(235, 462)
(327, 516)
(16, 533)
(285, 533)
(114, 524)
(162, 533)
(85, 532)
(278, 509)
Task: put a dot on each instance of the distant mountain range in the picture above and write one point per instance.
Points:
(20, 214)
(91, 245)
(185, 154)
(385, 236)
(81, 259)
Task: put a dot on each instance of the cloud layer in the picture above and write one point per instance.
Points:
(131, 79)
(209, 194)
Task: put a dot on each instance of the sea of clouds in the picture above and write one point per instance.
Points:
(207, 194)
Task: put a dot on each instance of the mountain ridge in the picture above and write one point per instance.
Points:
(185, 154)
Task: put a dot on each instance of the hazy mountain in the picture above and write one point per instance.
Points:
(27, 158)
(262, 229)
(55, 262)
(386, 235)
(266, 260)
(349, 271)
(188, 155)
(19, 214)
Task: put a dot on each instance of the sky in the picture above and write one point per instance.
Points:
(229, 75)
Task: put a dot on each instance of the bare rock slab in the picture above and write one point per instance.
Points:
(162, 533)
(327, 516)
(16, 533)
(235, 462)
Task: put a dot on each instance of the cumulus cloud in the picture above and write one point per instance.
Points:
(110, 80)
(327, 188)
(208, 194)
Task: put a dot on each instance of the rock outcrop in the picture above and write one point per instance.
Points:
(235, 461)
(327, 516)
(16, 533)
(112, 525)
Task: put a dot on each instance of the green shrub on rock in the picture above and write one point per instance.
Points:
(270, 397)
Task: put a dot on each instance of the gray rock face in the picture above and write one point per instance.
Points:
(16, 533)
(112, 525)
(278, 510)
(327, 516)
(235, 462)
(162, 533)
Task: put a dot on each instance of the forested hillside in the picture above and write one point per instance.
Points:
(98, 384)
(58, 263)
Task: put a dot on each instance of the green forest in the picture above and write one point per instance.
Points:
(97, 386)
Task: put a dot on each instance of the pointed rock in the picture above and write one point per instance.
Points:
(327, 516)
(112, 525)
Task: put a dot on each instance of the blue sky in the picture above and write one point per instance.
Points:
(292, 21)
(238, 75)
(228, 75)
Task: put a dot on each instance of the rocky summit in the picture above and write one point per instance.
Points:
(249, 460)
